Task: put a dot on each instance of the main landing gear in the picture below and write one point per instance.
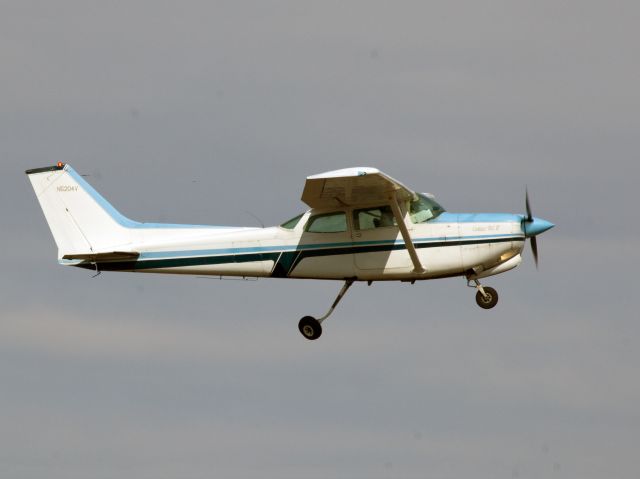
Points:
(311, 327)
(486, 297)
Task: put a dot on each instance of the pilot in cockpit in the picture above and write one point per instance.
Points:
(386, 218)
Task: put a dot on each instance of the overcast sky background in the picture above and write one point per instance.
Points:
(211, 112)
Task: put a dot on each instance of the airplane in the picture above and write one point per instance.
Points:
(362, 225)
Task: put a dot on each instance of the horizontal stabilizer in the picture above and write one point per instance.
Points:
(102, 257)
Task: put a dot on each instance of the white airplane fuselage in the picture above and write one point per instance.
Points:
(452, 244)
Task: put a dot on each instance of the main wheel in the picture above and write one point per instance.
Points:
(310, 328)
(488, 301)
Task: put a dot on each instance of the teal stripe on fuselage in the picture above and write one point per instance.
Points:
(305, 247)
(123, 220)
(446, 217)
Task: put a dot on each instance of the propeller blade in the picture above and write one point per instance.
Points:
(526, 200)
(534, 249)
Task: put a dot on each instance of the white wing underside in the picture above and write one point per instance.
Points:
(362, 186)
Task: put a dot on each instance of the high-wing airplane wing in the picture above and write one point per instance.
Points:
(353, 187)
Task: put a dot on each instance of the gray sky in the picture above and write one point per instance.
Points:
(200, 112)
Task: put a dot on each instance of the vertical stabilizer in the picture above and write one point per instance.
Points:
(80, 219)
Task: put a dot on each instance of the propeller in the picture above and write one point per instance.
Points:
(529, 219)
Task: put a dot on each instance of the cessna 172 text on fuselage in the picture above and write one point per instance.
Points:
(363, 225)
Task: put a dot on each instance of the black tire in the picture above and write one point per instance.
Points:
(310, 328)
(490, 300)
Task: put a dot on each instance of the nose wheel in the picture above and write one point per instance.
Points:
(310, 327)
(490, 298)
(486, 297)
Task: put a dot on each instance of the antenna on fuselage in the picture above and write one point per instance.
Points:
(255, 217)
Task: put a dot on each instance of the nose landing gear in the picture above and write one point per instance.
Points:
(486, 297)
(310, 327)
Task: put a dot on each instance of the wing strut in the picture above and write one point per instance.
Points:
(395, 207)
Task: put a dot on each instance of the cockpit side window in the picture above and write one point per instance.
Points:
(371, 218)
(327, 223)
(424, 209)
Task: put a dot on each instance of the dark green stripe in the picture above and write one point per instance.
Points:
(285, 262)
(175, 262)
(390, 247)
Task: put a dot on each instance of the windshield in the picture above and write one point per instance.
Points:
(292, 223)
(424, 208)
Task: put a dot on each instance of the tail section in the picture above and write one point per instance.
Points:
(80, 219)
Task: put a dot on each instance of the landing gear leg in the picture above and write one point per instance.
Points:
(311, 327)
(486, 297)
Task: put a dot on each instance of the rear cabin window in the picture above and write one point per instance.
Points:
(327, 223)
(292, 223)
(371, 218)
